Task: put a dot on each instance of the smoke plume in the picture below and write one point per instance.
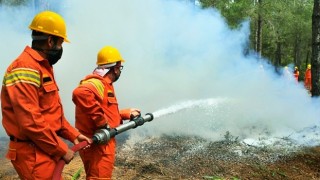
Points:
(182, 62)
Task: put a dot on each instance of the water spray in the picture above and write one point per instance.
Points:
(102, 136)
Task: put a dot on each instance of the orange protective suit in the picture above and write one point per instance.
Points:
(32, 115)
(97, 106)
(307, 80)
(296, 75)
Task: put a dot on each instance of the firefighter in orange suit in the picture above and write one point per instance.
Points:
(32, 113)
(296, 73)
(307, 79)
(96, 108)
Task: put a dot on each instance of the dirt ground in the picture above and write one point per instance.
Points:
(178, 157)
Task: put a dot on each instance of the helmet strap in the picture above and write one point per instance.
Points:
(39, 38)
(104, 66)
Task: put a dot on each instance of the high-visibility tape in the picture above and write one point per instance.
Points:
(97, 84)
(22, 75)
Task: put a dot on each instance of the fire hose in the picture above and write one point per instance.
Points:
(102, 136)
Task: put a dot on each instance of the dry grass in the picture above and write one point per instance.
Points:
(177, 158)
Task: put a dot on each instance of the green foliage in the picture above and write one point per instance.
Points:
(14, 2)
(76, 175)
(284, 22)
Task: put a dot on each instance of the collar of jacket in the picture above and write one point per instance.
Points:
(105, 79)
(34, 54)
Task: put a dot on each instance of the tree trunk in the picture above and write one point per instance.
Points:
(315, 58)
(278, 57)
(307, 58)
(259, 30)
(297, 54)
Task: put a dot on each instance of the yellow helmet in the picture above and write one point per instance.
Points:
(309, 66)
(108, 55)
(295, 67)
(50, 23)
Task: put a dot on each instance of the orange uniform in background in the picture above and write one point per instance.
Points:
(96, 108)
(307, 79)
(33, 117)
(296, 73)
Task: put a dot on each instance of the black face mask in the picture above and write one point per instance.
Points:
(54, 55)
(116, 77)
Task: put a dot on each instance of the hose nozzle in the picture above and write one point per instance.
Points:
(102, 136)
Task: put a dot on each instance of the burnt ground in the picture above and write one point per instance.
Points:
(179, 157)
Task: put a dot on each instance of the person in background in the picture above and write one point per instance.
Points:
(96, 108)
(32, 113)
(287, 73)
(296, 73)
(307, 78)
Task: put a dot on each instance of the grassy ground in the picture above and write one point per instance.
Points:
(194, 158)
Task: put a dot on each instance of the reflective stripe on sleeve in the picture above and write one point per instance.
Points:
(97, 84)
(22, 75)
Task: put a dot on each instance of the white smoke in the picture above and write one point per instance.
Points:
(175, 52)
